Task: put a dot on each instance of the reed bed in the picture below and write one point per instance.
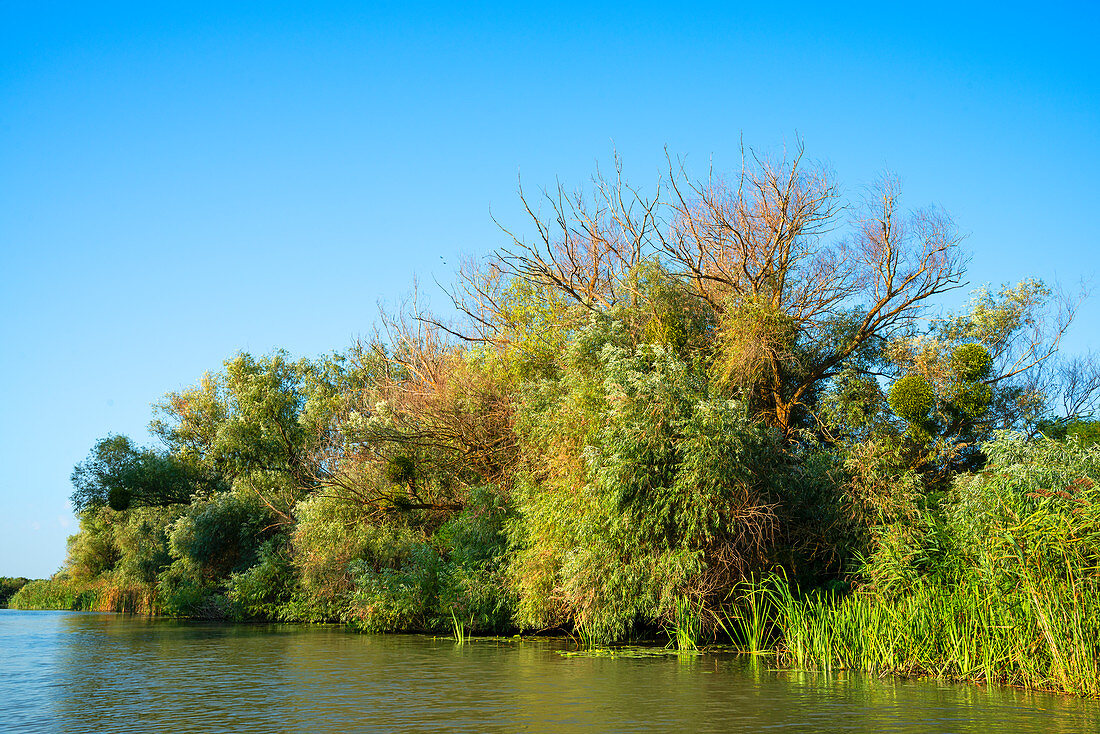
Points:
(66, 594)
(1045, 637)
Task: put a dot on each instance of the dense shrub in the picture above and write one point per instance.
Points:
(646, 487)
(912, 398)
(221, 535)
(265, 589)
(9, 586)
(971, 362)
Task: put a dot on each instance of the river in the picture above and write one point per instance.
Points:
(87, 672)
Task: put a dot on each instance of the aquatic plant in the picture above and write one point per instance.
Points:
(458, 630)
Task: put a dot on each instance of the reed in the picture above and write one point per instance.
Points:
(1043, 637)
(750, 620)
(687, 628)
(55, 593)
(458, 630)
(101, 596)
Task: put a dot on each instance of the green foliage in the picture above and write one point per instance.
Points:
(58, 592)
(534, 322)
(1085, 432)
(752, 332)
(9, 586)
(455, 574)
(401, 469)
(119, 475)
(971, 362)
(971, 399)
(395, 598)
(266, 589)
(668, 314)
(122, 552)
(183, 594)
(979, 364)
(251, 427)
(391, 576)
(649, 489)
(998, 583)
(472, 583)
(329, 535)
(966, 632)
(854, 407)
(882, 486)
(221, 535)
(94, 549)
(996, 320)
(912, 399)
(141, 536)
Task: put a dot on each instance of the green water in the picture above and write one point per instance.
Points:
(79, 672)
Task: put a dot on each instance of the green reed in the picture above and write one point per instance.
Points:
(750, 620)
(1042, 637)
(458, 630)
(687, 628)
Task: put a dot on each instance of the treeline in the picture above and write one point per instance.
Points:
(9, 586)
(734, 409)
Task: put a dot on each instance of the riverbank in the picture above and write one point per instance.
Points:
(1046, 642)
(652, 452)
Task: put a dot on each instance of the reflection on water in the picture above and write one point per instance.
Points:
(79, 672)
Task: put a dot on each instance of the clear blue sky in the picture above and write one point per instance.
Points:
(180, 183)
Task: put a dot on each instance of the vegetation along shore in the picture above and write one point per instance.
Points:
(741, 411)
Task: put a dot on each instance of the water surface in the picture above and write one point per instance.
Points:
(86, 672)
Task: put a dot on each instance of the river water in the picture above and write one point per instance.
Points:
(86, 672)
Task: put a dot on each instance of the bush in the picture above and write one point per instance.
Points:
(647, 488)
(8, 587)
(472, 584)
(971, 362)
(265, 590)
(457, 572)
(183, 594)
(332, 533)
(221, 535)
(912, 399)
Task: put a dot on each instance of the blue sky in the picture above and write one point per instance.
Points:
(178, 183)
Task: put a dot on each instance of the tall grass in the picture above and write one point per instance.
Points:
(1042, 638)
(998, 583)
(687, 628)
(750, 620)
(458, 630)
(67, 594)
(55, 594)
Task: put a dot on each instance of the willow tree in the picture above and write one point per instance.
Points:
(802, 282)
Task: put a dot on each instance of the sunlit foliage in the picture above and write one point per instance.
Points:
(648, 405)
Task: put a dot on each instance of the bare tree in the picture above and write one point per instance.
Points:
(799, 293)
(763, 245)
(431, 425)
(1079, 383)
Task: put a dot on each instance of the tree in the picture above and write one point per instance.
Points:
(798, 297)
(431, 423)
(120, 475)
(982, 369)
(248, 426)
